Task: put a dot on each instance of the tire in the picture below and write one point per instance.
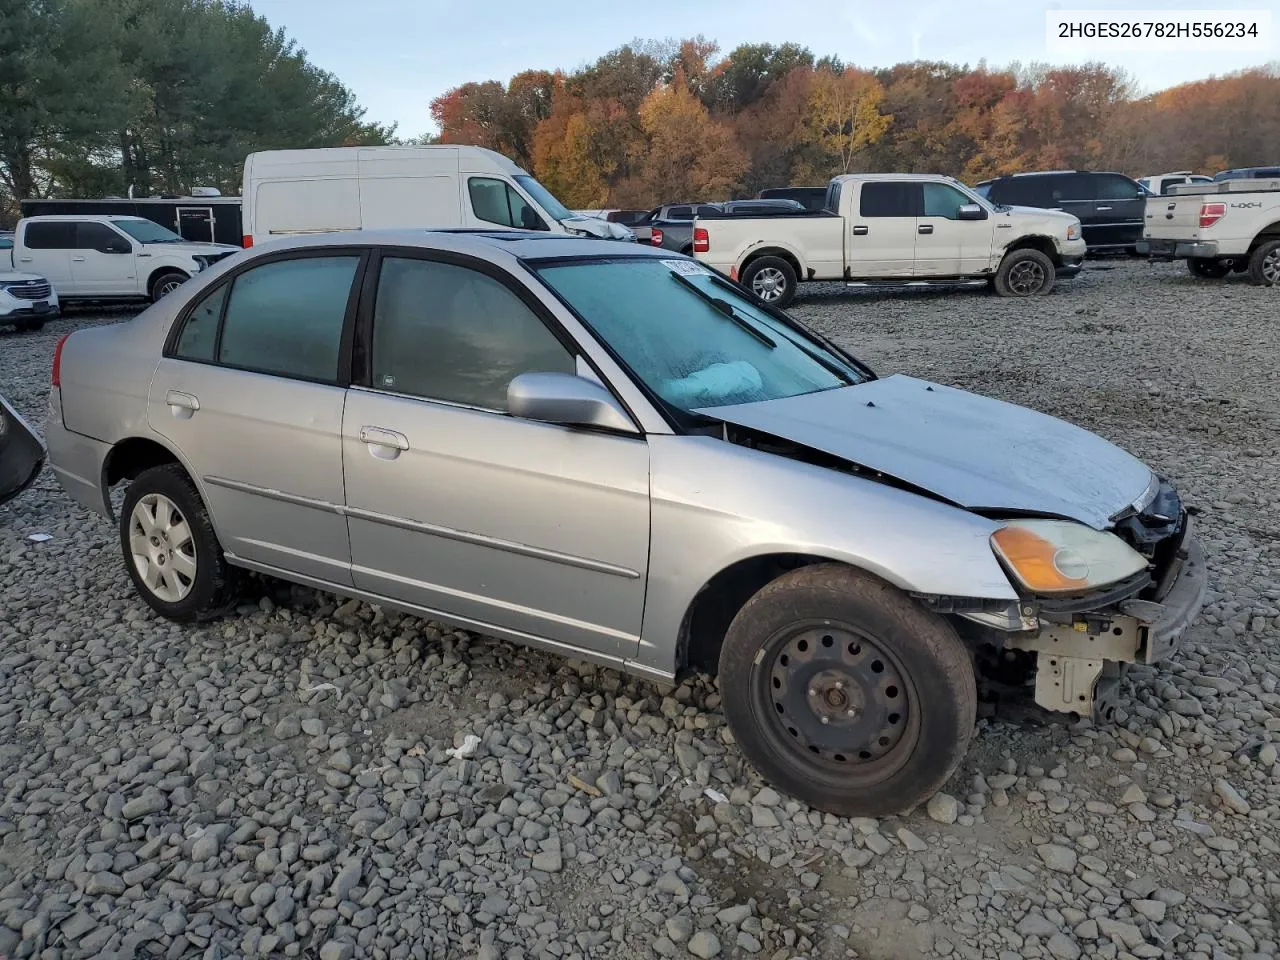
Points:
(166, 283)
(201, 586)
(1024, 273)
(1264, 264)
(895, 683)
(29, 326)
(770, 279)
(1208, 269)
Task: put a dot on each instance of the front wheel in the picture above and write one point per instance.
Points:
(771, 279)
(1024, 273)
(1264, 264)
(845, 693)
(170, 549)
(165, 284)
(1209, 269)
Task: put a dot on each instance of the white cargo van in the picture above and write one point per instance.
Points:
(367, 188)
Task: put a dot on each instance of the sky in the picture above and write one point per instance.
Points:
(396, 55)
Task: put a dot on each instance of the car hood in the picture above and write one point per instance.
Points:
(978, 453)
(12, 276)
(599, 227)
(21, 453)
(1042, 213)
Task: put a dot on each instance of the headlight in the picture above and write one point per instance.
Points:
(1058, 556)
(1073, 231)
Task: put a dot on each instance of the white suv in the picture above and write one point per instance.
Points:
(106, 257)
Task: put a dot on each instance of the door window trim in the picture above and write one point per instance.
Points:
(343, 378)
(362, 344)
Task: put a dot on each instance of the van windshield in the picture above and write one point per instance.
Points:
(543, 198)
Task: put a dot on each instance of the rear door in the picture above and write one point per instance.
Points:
(44, 247)
(947, 246)
(882, 229)
(103, 262)
(250, 393)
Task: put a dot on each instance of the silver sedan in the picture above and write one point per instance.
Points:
(611, 452)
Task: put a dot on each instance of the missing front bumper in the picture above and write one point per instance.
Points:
(1079, 672)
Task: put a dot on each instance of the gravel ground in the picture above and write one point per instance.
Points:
(280, 783)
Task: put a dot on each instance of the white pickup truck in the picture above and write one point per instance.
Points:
(1229, 225)
(894, 229)
(108, 257)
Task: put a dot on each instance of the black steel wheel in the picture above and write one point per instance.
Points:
(1025, 273)
(846, 693)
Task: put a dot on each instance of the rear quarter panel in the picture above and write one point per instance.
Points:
(816, 242)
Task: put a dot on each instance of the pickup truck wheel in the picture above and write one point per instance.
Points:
(845, 693)
(166, 283)
(1264, 264)
(1209, 269)
(771, 279)
(1024, 273)
(170, 550)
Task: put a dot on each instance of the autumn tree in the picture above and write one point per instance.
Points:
(843, 115)
(691, 155)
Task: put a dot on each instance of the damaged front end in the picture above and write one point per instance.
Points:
(1078, 645)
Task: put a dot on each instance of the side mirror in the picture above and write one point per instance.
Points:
(971, 211)
(567, 400)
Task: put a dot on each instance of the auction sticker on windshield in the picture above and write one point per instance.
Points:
(687, 268)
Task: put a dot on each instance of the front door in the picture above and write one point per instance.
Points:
(1119, 208)
(196, 224)
(947, 246)
(457, 507)
(250, 394)
(882, 230)
(103, 262)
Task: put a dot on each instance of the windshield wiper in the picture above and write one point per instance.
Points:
(725, 309)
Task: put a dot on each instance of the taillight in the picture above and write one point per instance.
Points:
(733, 273)
(656, 237)
(1211, 213)
(701, 242)
(247, 240)
(57, 360)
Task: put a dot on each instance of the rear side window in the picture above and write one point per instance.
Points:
(1023, 192)
(50, 235)
(833, 197)
(494, 201)
(679, 213)
(286, 317)
(446, 332)
(889, 199)
(199, 339)
(1075, 186)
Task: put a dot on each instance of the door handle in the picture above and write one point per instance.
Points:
(925, 228)
(24, 259)
(1102, 208)
(383, 443)
(182, 405)
(860, 231)
(77, 259)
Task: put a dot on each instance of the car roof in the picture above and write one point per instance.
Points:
(487, 244)
(116, 217)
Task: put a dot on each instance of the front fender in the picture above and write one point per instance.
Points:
(715, 503)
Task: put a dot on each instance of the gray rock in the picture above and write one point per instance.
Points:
(1231, 798)
(337, 950)
(704, 944)
(1056, 857)
(679, 928)
(943, 808)
(147, 803)
(1063, 947)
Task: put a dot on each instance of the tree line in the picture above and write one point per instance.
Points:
(162, 95)
(658, 121)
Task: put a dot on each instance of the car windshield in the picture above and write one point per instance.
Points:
(543, 198)
(692, 337)
(144, 231)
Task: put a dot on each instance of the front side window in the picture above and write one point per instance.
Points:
(50, 235)
(286, 317)
(691, 337)
(943, 200)
(144, 231)
(98, 236)
(1116, 187)
(494, 201)
(446, 332)
(892, 198)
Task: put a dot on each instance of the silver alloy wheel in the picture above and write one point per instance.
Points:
(164, 554)
(168, 286)
(768, 284)
(1026, 277)
(1271, 266)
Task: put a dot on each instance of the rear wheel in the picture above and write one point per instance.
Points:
(1024, 273)
(845, 693)
(166, 283)
(1209, 269)
(771, 279)
(1264, 264)
(170, 550)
